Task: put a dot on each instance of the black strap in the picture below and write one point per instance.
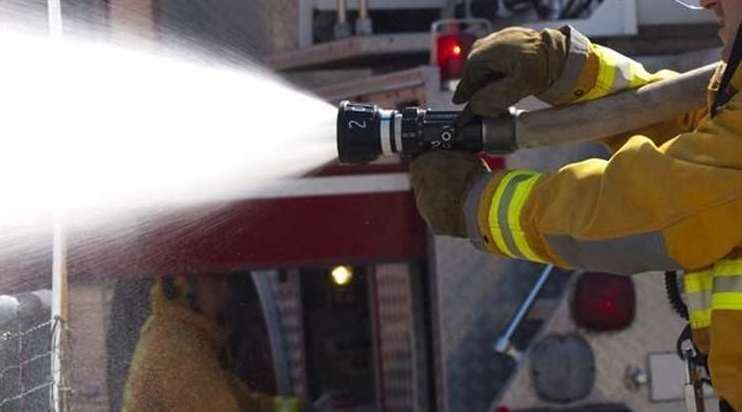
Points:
(685, 335)
(672, 290)
(724, 94)
(724, 406)
(700, 359)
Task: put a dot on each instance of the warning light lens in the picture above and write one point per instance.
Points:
(342, 275)
(604, 302)
(451, 54)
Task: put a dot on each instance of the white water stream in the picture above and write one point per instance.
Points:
(92, 127)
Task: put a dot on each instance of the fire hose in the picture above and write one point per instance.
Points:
(366, 132)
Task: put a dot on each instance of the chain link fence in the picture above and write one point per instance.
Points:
(28, 340)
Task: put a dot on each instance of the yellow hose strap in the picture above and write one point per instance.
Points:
(505, 214)
(616, 73)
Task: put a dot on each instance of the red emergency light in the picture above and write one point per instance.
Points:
(451, 53)
(604, 302)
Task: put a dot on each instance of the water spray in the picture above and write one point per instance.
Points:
(366, 132)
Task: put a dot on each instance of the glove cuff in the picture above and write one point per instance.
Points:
(564, 88)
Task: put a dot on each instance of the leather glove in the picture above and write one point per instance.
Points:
(441, 180)
(508, 66)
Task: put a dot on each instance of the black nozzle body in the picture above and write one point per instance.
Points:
(425, 130)
(358, 132)
(366, 132)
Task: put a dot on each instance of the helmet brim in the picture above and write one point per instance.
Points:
(690, 4)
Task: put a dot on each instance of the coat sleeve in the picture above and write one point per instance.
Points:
(649, 207)
(210, 387)
(725, 357)
(199, 384)
(592, 71)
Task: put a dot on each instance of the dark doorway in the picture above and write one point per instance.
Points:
(338, 336)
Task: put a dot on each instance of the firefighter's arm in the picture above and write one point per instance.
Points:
(647, 208)
(592, 71)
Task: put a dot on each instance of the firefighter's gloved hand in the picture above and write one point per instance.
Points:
(441, 180)
(508, 66)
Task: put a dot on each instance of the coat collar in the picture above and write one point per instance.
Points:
(737, 80)
(179, 311)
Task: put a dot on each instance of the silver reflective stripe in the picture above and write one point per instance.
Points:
(703, 299)
(502, 213)
(471, 210)
(579, 47)
(622, 76)
(386, 132)
(398, 132)
(626, 255)
(698, 300)
(727, 284)
(719, 288)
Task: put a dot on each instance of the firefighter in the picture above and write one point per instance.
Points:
(178, 363)
(669, 197)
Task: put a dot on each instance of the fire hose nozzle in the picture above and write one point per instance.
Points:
(366, 132)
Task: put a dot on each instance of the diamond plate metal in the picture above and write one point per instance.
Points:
(477, 295)
(655, 329)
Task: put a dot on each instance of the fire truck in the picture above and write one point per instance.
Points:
(348, 301)
(510, 336)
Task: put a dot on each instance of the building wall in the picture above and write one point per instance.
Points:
(287, 290)
(284, 23)
(394, 301)
(87, 359)
(245, 28)
(25, 15)
(132, 21)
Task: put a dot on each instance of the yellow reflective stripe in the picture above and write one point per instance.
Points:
(715, 289)
(698, 281)
(726, 301)
(495, 229)
(606, 74)
(616, 72)
(635, 79)
(700, 318)
(728, 267)
(640, 77)
(522, 192)
(505, 213)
